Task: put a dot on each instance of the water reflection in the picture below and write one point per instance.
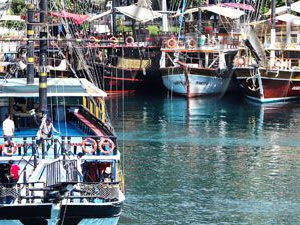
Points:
(208, 161)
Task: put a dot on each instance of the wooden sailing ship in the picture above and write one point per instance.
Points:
(267, 66)
(130, 60)
(74, 177)
(196, 64)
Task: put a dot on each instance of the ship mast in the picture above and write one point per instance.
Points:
(288, 23)
(114, 25)
(30, 46)
(273, 33)
(165, 16)
(199, 23)
(43, 59)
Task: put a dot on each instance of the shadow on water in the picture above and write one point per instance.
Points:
(208, 160)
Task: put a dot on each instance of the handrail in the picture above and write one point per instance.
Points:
(83, 190)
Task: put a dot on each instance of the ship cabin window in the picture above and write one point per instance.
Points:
(95, 171)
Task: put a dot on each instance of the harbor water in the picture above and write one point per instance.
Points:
(208, 160)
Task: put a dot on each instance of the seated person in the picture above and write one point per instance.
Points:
(107, 176)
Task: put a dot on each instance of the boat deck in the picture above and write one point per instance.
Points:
(65, 129)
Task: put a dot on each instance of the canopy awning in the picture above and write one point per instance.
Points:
(57, 87)
(283, 9)
(294, 20)
(289, 18)
(238, 6)
(135, 12)
(11, 18)
(76, 18)
(222, 11)
(99, 15)
(225, 11)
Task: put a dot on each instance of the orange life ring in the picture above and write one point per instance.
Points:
(171, 43)
(192, 43)
(91, 141)
(129, 40)
(104, 142)
(13, 145)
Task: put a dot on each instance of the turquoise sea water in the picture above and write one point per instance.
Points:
(208, 161)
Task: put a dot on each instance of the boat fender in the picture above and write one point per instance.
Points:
(104, 143)
(90, 141)
(192, 43)
(171, 43)
(100, 56)
(242, 61)
(14, 148)
(129, 40)
(278, 63)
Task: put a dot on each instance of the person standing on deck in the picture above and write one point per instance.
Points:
(46, 131)
(8, 128)
(14, 172)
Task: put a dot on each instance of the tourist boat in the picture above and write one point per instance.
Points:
(194, 65)
(130, 61)
(267, 67)
(74, 177)
(127, 67)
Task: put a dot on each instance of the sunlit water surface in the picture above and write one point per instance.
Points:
(208, 161)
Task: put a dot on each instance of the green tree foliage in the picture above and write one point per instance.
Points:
(279, 3)
(18, 7)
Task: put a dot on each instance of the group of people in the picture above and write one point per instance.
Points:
(45, 131)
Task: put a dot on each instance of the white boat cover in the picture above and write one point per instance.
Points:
(11, 18)
(135, 12)
(289, 18)
(57, 87)
(140, 14)
(222, 11)
(280, 10)
(295, 20)
(99, 15)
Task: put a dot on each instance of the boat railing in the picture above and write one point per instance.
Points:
(215, 41)
(283, 63)
(27, 146)
(281, 42)
(36, 192)
(120, 40)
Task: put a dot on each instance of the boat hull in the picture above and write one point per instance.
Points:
(70, 214)
(277, 85)
(201, 82)
(119, 80)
